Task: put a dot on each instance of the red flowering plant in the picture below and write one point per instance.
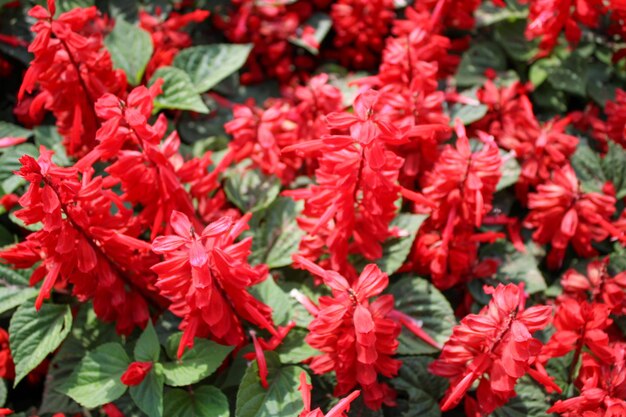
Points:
(266, 208)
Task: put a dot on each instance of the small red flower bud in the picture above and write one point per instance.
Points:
(135, 373)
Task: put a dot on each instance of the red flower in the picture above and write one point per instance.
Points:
(597, 286)
(7, 368)
(110, 265)
(602, 388)
(71, 69)
(167, 37)
(495, 346)
(338, 410)
(616, 117)
(136, 373)
(361, 27)
(579, 324)
(206, 276)
(548, 18)
(561, 214)
(356, 336)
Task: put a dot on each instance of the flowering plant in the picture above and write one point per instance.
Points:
(271, 208)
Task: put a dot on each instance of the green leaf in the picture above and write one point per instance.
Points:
(251, 190)
(588, 167)
(467, 113)
(488, 14)
(530, 401)
(196, 363)
(13, 296)
(322, 23)
(33, 335)
(10, 130)
(396, 250)
(204, 401)
(540, 70)
(149, 394)
(178, 91)
(3, 392)
(571, 76)
(479, 58)
(61, 367)
(96, 381)
(424, 389)
(281, 398)
(147, 348)
(130, 48)
(13, 277)
(207, 65)
(614, 167)
(510, 34)
(516, 266)
(294, 349)
(510, 169)
(271, 294)
(421, 300)
(276, 233)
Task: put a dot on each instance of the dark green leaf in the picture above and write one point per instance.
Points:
(196, 363)
(178, 91)
(204, 401)
(130, 48)
(276, 234)
(271, 294)
(540, 70)
(614, 167)
(396, 250)
(33, 335)
(96, 381)
(479, 58)
(280, 399)
(510, 34)
(147, 348)
(424, 389)
(421, 300)
(530, 401)
(571, 76)
(251, 190)
(149, 394)
(65, 361)
(588, 167)
(516, 266)
(294, 349)
(207, 65)
(510, 171)
(10, 130)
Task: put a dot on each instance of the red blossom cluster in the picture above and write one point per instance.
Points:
(495, 347)
(355, 335)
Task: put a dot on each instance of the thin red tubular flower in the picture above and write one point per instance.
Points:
(597, 286)
(454, 14)
(71, 69)
(136, 373)
(579, 324)
(206, 276)
(602, 388)
(339, 410)
(168, 38)
(356, 335)
(110, 266)
(495, 346)
(562, 214)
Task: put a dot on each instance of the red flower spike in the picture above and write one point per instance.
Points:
(136, 373)
(561, 214)
(356, 334)
(206, 275)
(494, 346)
